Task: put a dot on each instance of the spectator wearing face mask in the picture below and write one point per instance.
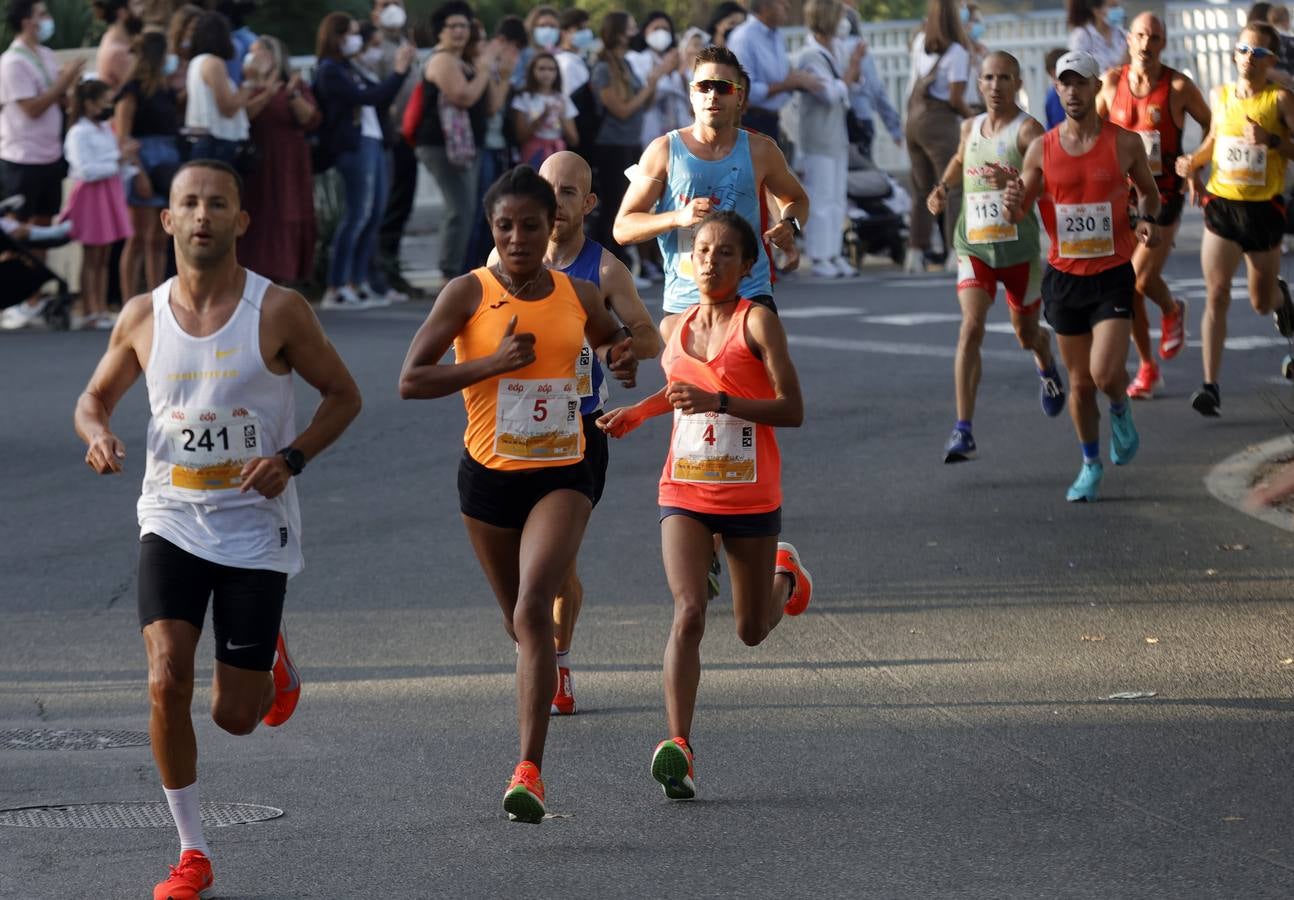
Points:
(353, 131)
(392, 20)
(1097, 28)
(572, 49)
(278, 194)
(726, 16)
(973, 22)
(236, 11)
(179, 43)
(112, 61)
(654, 45)
(867, 96)
(544, 25)
(215, 112)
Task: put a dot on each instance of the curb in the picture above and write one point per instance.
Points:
(1230, 480)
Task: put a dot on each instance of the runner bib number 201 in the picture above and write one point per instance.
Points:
(1240, 162)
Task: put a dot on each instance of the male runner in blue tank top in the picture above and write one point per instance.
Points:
(712, 165)
(581, 257)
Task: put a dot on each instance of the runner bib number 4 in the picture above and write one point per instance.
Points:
(1240, 162)
(713, 448)
(1084, 230)
(986, 219)
(207, 448)
(537, 420)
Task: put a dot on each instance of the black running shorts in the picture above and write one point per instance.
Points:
(748, 525)
(1256, 225)
(1170, 209)
(1073, 304)
(596, 453)
(505, 499)
(245, 614)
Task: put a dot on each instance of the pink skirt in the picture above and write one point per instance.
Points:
(98, 212)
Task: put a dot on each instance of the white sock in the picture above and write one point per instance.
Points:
(188, 819)
(563, 659)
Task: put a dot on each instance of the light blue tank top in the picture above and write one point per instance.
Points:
(730, 182)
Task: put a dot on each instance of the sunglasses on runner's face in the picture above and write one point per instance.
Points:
(715, 86)
(1258, 52)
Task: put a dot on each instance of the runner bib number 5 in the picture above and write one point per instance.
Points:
(1084, 230)
(537, 420)
(713, 448)
(207, 448)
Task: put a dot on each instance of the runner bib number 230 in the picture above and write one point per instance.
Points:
(1084, 230)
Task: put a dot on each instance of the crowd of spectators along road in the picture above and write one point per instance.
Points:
(172, 82)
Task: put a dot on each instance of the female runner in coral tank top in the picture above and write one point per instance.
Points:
(525, 491)
(729, 383)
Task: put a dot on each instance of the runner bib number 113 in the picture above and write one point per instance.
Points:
(1084, 230)
(986, 219)
(713, 448)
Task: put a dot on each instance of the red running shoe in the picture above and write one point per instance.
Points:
(788, 561)
(564, 699)
(1172, 328)
(287, 685)
(671, 765)
(524, 799)
(1148, 381)
(189, 880)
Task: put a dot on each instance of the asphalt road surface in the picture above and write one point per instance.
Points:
(936, 725)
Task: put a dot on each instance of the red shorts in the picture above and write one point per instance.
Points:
(1022, 282)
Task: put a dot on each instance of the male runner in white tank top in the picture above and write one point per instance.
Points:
(218, 512)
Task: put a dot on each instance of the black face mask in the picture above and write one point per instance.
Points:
(105, 114)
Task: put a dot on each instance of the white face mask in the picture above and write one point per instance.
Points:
(249, 61)
(582, 39)
(172, 65)
(351, 44)
(659, 40)
(45, 30)
(393, 17)
(546, 36)
(372, 57)
(842, 30)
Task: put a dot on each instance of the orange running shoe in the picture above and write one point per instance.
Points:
(189, 880)
(287, 685)
(671, 765)
(788, 561)
(564, 699)
(524, 799)
(1148, 381)
(1172, 328)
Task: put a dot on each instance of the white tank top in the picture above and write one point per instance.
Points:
(200, 110)
(214, 406)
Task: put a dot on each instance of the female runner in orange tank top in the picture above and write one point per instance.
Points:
(525, 492)
(729, 382)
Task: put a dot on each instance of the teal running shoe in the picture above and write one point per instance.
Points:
(1124, 439)
(1086, 485)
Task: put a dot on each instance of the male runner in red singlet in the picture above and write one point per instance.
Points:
(1080, 169)
(1152, 100)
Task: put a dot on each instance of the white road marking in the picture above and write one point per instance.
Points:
(893, 348)
(818, 312)
(910, 319)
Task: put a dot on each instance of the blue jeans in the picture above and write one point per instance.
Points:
(361, 170)
(208, 147)
(367, 263)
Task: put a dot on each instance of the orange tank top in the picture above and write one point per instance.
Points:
(528, 418)
(1084, 205)
(719, 463)
(1151, 119)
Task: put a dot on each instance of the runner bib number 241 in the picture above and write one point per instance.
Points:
(207, 448)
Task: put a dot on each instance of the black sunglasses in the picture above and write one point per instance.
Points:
(715, 86)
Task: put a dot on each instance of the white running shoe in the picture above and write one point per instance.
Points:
(915, 262)
(843, 266)
(824, 268)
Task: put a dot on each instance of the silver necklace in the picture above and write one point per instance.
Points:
(506, 281)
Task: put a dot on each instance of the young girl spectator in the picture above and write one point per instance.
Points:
(97, 205)
(148, 111)
(544, 115)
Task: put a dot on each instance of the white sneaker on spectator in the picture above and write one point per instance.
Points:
(843, 267)
(103, 322)
(824, 268)
(370, 298)
(22, 314)
(914, 262)
(394, 296)
(342, 298)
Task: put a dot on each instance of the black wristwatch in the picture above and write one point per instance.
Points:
(295, 459)
(794, 223)
(1273, 141)
(723, 403)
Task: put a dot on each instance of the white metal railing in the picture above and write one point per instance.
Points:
(1200, 36)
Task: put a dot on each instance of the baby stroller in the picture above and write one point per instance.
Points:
(878, 207)
(22, 274)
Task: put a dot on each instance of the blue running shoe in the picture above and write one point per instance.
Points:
(1085, 486)
(1052, 393)
(960, 447)
(1124, 439)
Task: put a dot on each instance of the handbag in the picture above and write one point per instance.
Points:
(854, 128)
